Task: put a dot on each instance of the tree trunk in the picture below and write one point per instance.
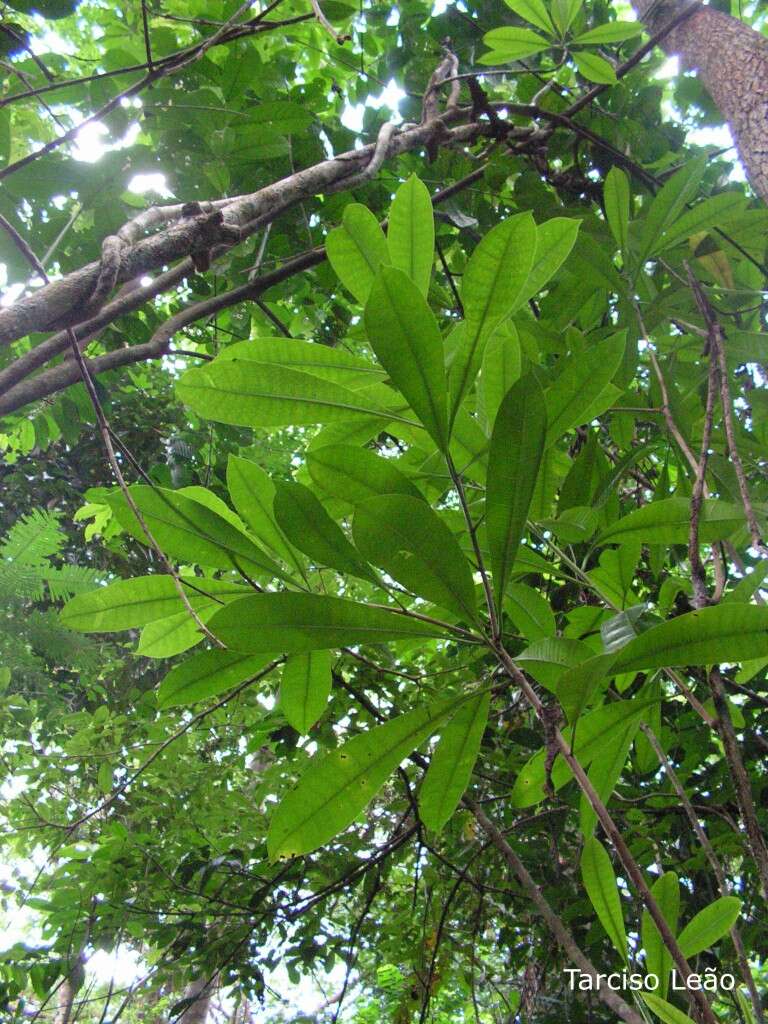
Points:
(67, 992)
(202, 991)
(732, 63)
(65, 1002)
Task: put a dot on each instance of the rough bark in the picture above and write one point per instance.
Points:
(731, 60)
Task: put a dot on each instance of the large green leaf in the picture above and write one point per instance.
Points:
(555, 239)
(709, 926)
(616, 199)
(547, 659)
(297, 623)
(411, 232)
(584, 375)
(610, 32)
(709, 213)
(669, 522)
(253, 495)
(354, 474)
(304, 688)
(668, 205)
(604, 774)
(658, 959)
(207, 675)
(595, 733)
(530, 611)
(665, 1011)
(594, 68)
(356, 249)
(166, 638)
(451, 764)
(326, 361)
(411, 542)
(510, 43)
(493, 281)
(307, 525)
(337, 787)
(517, 445)
(533, 11)
(190, 531)
(404, 335)
(728, 632)
(128, 604)
(501, 368)
(251, 394)
(603, 891)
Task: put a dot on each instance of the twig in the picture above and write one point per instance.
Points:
(338, 37)
(554, 922)
(147, 40)
(612, 831)
(715, 864)
(740, 778)
(698, 576)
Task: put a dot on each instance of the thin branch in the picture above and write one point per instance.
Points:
(612, 831)
(338, 37)
(554, 922)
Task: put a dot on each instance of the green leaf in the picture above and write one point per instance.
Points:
(450, 767)
(307, 525)
(665, 1011)
(493, 280)
(579, 684)
(668, 205)
(253, 495)
(513, 43)
(208, 674)
(616, 199)
(669, 522)
(547, 659)
(594, 68)
(325, 361)
(297, 623)
(604, 774)
(708, 636)
(709, 926)
(595, 733)
(658, 959)
(128, 604)
(611, 32)
(337, 787)
(600, 883)
(356, 250)
(707, 214)
(412, 544)
(555, 239)
(305, 687)
(252, 394)
(190, 531)
(529, 611)
(582, 378)
(533, 11)
(501, 368)
(355, 474)
(563, 12)
(517, 445)
(411, 233)
(166, 638)
(404, 335)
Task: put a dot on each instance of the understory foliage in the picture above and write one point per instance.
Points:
(418, 654)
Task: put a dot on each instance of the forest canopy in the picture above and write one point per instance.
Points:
(383, 506)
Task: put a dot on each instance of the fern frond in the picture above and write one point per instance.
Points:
(69, 580)
(32, 539)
